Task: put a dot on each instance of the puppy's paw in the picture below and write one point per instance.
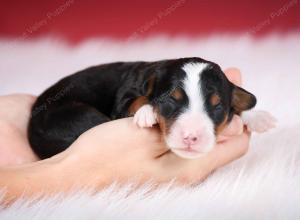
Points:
(258, 121)
(145, 116)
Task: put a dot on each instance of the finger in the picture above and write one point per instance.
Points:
(229, 150)
(234, 75)
(235, 127)
(221, 155)
(151, 139)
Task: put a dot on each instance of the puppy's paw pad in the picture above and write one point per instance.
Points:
(259, 121)
(145, 117)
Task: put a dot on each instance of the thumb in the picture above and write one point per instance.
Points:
(234, 75)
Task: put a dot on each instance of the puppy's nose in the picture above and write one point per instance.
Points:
(190, 139)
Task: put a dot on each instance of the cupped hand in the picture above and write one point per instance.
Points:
(121, 151)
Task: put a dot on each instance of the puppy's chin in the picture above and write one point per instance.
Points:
(187, 154)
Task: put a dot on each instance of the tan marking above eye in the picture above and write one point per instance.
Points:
(177, 94)
(215, 99)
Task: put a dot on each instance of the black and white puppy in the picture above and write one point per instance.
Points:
(190, 99)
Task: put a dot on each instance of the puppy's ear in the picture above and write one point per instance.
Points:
(242, 100)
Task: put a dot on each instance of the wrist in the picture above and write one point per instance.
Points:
(26, 180)
(46, 177)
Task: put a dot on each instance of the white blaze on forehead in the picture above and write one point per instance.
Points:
(194, 121)
(192, 86)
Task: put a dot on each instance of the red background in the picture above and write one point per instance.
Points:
(84, 19)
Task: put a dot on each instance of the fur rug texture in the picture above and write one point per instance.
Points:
(264, 184)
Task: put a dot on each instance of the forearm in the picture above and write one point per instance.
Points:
(40, 178)
(25, 181)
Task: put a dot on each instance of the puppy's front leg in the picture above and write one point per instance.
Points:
(258, 121)
(145, 116)
(144, 113)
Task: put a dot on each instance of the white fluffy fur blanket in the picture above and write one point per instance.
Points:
(264, 184)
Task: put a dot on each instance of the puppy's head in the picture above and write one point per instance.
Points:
(194, 101)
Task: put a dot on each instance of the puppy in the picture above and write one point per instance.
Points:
(190, 99)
